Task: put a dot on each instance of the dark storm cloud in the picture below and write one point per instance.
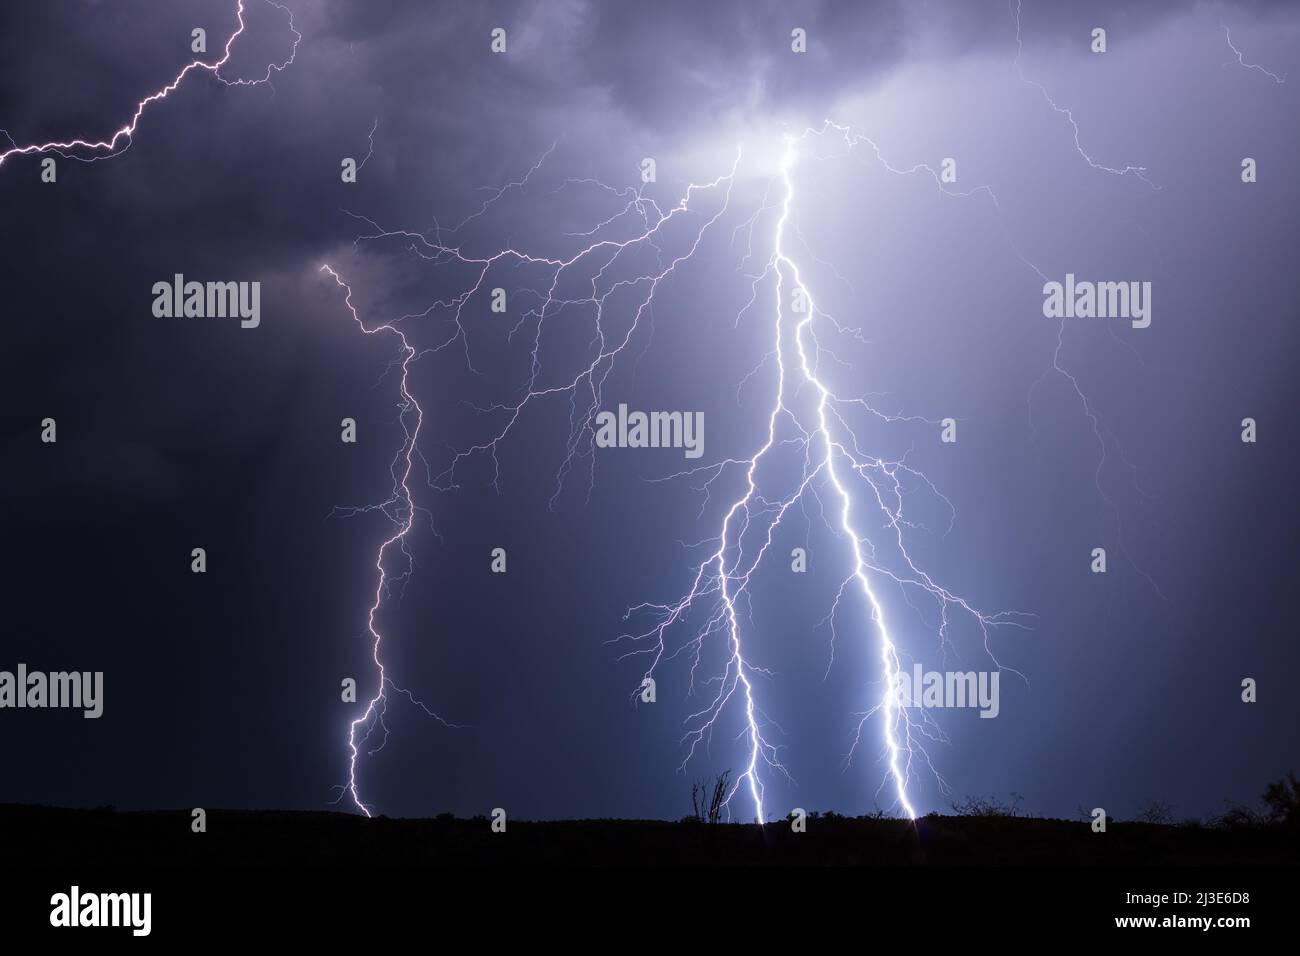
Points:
(674, 62)
(668, 64)
(677, 63)
(448, 109)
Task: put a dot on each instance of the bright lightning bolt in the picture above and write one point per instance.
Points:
(109, 147)
(890, 699)
(832, 453)
(401, 509)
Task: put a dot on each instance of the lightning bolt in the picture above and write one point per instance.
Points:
(896, 738)
(125, 134)
(1103, 436)
(401, 509)
(1137, 171)
(371, 151)
(832, 454)
(583, 387)
(1227, 35)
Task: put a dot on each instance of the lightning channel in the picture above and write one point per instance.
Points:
(1241, 60)
(595, 263)
(1139, 172)
(858, 482)
(86, 150)
(400, 508)
(1058, 367)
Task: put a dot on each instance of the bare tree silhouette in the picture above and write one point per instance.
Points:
(706, 802)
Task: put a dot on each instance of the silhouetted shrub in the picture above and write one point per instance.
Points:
(1157, 811)
(1283, 801)
(988, 807)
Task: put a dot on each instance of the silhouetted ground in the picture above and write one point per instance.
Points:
(90, 838)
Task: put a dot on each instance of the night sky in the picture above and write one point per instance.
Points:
(222, 689)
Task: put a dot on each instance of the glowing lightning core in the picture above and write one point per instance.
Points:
(831, 453)
(890, 699)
